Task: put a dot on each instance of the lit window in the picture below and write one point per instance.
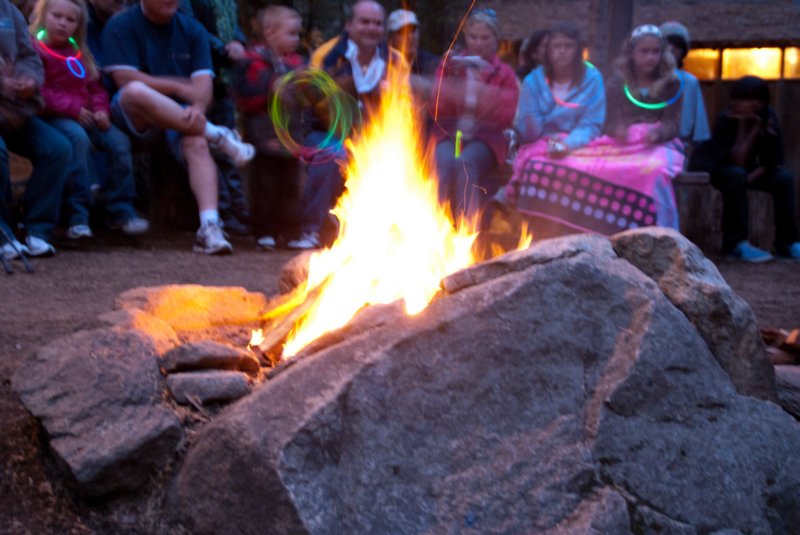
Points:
(702, 62)
(791, 63)
(762, 62)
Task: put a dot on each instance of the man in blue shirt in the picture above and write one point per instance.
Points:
(160, 61)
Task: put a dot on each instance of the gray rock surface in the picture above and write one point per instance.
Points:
(97, 394)
(694, 285)
(556, 393)
(788, 380)
(205, 355)
(207, 387)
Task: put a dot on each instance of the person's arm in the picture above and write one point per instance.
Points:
(747, 131)
(530, 118)
(26, 63)
(497, 99)
(593, 116)
(670, 126)
(615, 103)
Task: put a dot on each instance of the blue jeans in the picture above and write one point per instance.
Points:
(731, 181)
(324, 184)
(50, 152)
(120, 187)
(464, 182)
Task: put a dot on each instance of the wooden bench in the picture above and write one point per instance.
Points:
(700, 212)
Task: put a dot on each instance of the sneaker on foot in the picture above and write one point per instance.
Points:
(211, 240)
(266, 243)
(793, 251)
(11, 250)
(77, 232)
(135, 226)
(230, 144)
(306, 241)
(749, 253)
(39, 247)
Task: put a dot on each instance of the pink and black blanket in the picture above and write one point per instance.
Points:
(606, 187)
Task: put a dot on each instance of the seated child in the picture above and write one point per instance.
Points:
(76, 104)
(747, 148)
(612, 183)
(274, 174)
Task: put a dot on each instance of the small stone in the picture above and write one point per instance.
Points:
(205, 354)
(207, 387)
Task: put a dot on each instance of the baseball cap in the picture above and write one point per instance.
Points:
(673, 28)
(399, 18)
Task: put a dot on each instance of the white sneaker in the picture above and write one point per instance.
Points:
(211, 240)
(39, 247)
(306, 241)
(266, 243)
(10, 251)
(76, 232)
(135, 226)
(231, 145)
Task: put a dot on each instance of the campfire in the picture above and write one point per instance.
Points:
(395, 240)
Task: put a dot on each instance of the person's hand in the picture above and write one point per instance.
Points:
(101, 120)
(235, 50)
(620, 133)
(556, 148)
(653, 137)
(86, 118)
(9, 87)
(195, 119)
(26, 88)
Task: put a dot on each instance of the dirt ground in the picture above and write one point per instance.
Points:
(68, 291)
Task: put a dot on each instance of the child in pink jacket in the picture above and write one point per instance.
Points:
(77, 105)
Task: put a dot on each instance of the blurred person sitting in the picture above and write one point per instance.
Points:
(532, 52)
(273, 176)
(158, 96)
(357, 61)
(474, 100)
(22, 132)
(76, 104)
(747, 148)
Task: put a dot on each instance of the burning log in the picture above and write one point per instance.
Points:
(289, 312)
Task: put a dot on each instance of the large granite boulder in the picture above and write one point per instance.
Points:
(555, 390)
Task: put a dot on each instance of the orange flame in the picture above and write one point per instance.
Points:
(395, 240)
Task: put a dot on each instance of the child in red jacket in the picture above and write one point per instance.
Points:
(273, 176)
(77, 105)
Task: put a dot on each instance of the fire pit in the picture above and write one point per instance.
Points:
(580, 385)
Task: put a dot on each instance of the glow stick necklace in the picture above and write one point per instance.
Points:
(73, 62)
(571, 105)
(655, 105)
